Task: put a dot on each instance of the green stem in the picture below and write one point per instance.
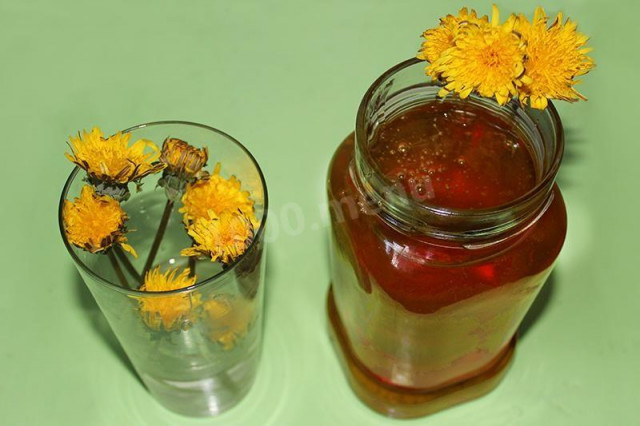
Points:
(192, 266)
(127, 264)
(158, 239)
(118, 270)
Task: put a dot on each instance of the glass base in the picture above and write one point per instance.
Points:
(401, 402)
(205, 397)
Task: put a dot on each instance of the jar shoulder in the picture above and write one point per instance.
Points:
(540, 243)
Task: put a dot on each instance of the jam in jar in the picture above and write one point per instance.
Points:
(445, 223)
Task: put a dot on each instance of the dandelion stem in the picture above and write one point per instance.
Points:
(158, 239)
(127, 264)
(118, 270)
(192, 266)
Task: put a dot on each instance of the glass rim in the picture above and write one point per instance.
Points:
(545, 181)
(197, 285)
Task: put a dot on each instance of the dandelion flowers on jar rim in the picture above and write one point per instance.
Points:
(443, 37)
(556, 54)
(95, 222)
(222, 238)
(167, 311)
(486, 58)
(532, 61)
(111, 160)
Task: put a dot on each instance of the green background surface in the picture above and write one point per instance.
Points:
(285, 78)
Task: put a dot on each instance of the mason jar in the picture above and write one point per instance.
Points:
(430, 280)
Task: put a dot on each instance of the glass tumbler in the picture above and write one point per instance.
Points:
(196, 349)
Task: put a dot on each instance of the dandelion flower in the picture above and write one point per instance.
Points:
(229, 319)
(217, 194)
(182, 159)
(488, 60)
(95, 222)
(111, 161)
(442, 37)
(222, 238)
(555, 56)
(183, 164)
(168, 312)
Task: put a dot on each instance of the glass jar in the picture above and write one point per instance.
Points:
(196, 349)
(425, 300)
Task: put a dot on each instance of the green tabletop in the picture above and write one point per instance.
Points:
(285, 78)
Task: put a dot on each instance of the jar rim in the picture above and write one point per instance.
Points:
(546, 180)
(206, 282)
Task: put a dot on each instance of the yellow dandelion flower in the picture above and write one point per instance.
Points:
(217, 194)
(183, 164)
(229, 319)
(112, 160)
(222, 238)
(182, 159)
(555, 56)
(441, 38)
(95, 222)
(487, 59)
(168, 312)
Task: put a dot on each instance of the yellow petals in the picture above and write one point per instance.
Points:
(172, 311)
(129, 249)
(528, 60)
(229, 319)
(182, 159)
(95, 222)
(441, 38)
(495, 15)
(183, 165)
(217, 194)
(555, 57)
(112, 160)
(156, 281)
(222, 238)
(486, 59)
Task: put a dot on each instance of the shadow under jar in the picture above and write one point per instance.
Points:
(445, 223)
(196, 349)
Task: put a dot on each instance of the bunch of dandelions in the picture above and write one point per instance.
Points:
(220, 219)
(95, 221)
(533, 61)
(218, 216)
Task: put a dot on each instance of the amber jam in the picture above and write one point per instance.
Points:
(445, 224)
(454, 156)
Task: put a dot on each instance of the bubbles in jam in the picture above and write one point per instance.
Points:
(454, 157)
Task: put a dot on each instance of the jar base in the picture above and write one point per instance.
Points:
(400, 402)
